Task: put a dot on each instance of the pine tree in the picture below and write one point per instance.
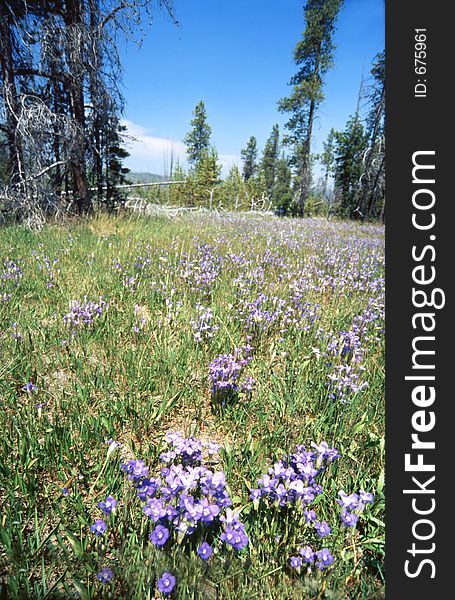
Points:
(269, 160)
(313, 54)
(114, 155)
(282, 192)
(208, 169)
(350, 148)
(327, 158)
(233, 187)
(197, 140)
(249, 158)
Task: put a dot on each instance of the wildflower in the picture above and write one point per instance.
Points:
(349, 518)
(325, 559)
(322, 529)
(226, 370)
(159, 535)
(349, 502)
(30, 387)
(108, 505)
(135, 469)
(205, 551)
(236, 539)
(307, 554)
(98, 527)
(154, 509)
(105, 575)
(208, 511)
(295, 562)
(366, 497)
(166, 583)
(310, 515)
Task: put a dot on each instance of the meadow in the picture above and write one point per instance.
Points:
(192, 408)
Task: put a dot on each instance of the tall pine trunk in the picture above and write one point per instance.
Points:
(10, 98)
(75, 84)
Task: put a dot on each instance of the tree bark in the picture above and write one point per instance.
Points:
(10, 100)
(75, 83)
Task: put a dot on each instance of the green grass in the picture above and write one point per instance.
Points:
(109, 382)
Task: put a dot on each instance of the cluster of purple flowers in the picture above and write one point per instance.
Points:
(292, 483)
(203, 326)
(200, 271)
(9, 279)
(349, 346)
(262, 313)
(292, 480)
(83, 314)
(322, 558)
(226, 373)
(48, 267)
(344, 381)
(352, 506)
(187, 498)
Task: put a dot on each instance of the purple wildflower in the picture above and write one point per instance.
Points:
(98, 527)
(205, 551)
(325, 559)
(307, 554)
(366, 497)
(349, 518)
(295, 562)
(159, 535)
(30, 387)
(322, 529)
(135, 469)
(166, 583)
(108, 505)
(105, 575)
(350, 502)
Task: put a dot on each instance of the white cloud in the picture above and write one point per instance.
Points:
(153, 154)
(150, 153)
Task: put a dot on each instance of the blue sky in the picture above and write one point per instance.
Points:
(236, 56)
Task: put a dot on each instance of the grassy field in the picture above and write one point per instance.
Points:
(254, 336)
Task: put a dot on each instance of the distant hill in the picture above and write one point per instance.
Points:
(139, 177)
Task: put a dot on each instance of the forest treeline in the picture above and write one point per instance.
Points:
(62, 144)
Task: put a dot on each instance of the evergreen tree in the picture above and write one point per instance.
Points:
(197, 140)
(327, 158)
(114, 155)
(282, 192)
(208, 169)
(313, 54)
(269, 160)
(178, 173)
(249, 158)
(349, 153)
(233, 187)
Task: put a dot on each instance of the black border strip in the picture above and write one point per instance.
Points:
(422, 123)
